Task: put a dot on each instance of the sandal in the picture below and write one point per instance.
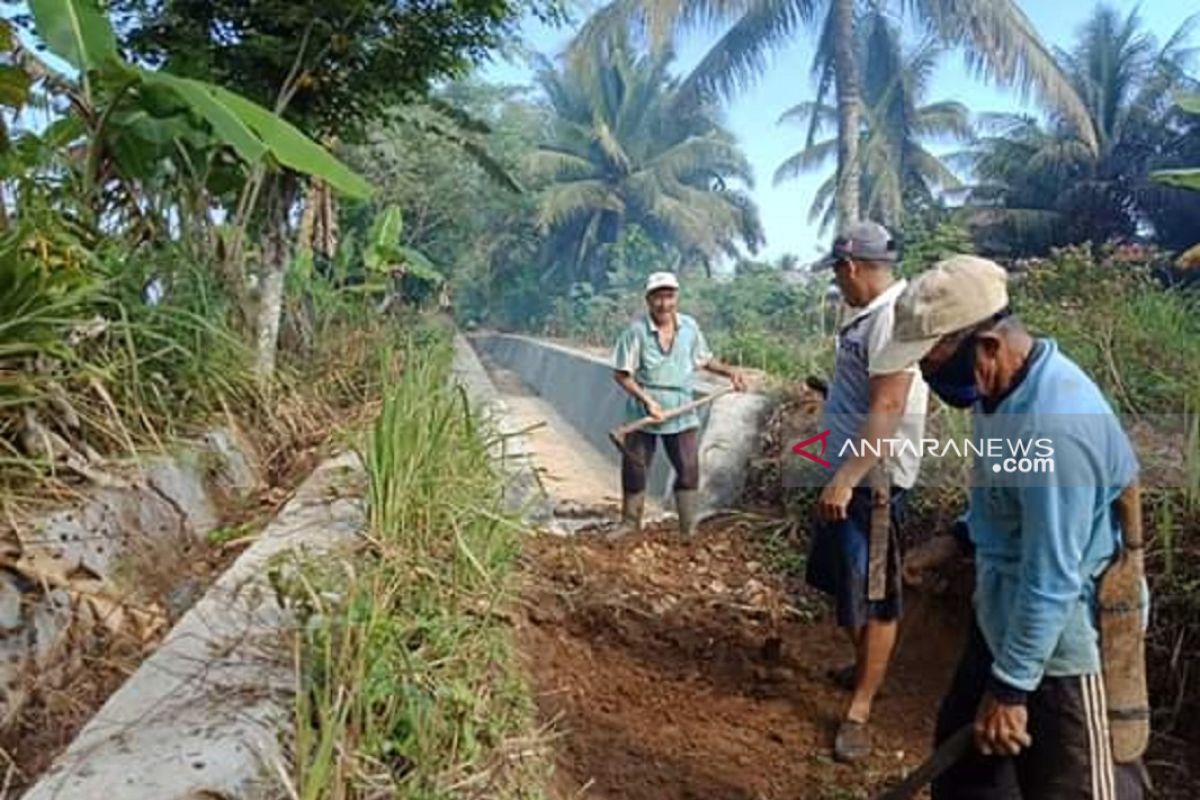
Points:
(853, 742)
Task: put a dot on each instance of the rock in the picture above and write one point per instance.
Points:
(237, 466)
(183, 597)
(10, 604)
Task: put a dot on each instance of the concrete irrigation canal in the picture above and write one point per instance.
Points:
(668, 668)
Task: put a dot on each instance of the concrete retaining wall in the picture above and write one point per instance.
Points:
(524, 491)
(205, 715)
(581, 388)
(166, 502)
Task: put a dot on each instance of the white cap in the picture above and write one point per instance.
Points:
(661, 280)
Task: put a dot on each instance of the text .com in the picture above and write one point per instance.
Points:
(1024, 466)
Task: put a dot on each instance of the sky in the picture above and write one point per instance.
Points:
(753, 115)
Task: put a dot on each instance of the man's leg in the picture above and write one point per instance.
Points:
(873, 626)
(873, 653)
(635, 464)
(1071, 756)
(975, 776)
(875, 642)
(683, 450)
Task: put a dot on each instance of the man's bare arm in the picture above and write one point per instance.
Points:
(626, 381)
(889, 395)
(717, 367)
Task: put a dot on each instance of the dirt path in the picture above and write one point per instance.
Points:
(650, 655)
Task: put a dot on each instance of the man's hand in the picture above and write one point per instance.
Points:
(738, 381)
(929, 557)
(834, 502)
(653, 408)
(1001, 730)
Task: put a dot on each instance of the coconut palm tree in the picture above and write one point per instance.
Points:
(999, 43)
(623, 150)
(897, 169)
(1043, 184)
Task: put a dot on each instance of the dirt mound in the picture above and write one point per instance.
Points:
(655, 657)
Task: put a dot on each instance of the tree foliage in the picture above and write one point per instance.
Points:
(998, 42)
(337, 65)
(1040, 185)
(626, 148)
(1185, 178)
(897, 169)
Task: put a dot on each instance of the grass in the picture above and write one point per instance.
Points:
(408, 682)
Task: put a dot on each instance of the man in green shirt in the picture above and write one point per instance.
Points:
(655, 362)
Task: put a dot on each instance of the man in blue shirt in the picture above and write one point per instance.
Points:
(655, 362)
(1042, 528)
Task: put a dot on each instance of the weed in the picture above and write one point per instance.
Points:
(408, 684)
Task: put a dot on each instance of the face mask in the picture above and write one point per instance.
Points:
(954, 381)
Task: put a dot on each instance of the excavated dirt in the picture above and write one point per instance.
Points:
(672, 669)
(654, 658)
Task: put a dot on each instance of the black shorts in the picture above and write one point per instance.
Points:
(1070, 758)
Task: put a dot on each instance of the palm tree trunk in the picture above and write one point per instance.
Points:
(849, 102)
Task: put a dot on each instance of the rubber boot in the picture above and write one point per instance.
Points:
(632, 508)
(687, 505)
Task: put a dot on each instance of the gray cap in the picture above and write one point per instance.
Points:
(867, 241)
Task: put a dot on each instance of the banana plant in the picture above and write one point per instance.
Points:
(1182, 178)
(78, 32)
(385, 256)
(388, 263)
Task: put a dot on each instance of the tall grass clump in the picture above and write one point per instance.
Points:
(408, 686)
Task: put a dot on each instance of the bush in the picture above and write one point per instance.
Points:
(1139, 341)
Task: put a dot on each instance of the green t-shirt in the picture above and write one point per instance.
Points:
(668, 377)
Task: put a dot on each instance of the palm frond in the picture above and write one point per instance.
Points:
(549, 164)
(806, 111)
(806, 160)
(739, 57)
(562, 202)
(614, 153)
(1001, 45)
(822, 203)
(933, 170)
(947, 118)
(703, 155)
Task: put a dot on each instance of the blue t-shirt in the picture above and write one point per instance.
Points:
(1044, 537)
(667, 376)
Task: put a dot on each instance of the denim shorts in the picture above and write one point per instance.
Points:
(838, 559)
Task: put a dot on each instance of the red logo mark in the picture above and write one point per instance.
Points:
(823, 437)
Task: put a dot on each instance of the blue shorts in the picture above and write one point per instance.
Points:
(837, 561)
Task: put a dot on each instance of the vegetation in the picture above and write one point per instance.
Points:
(627, 148)
(147, 248)
(998, 41)
(897, 171)
(409, 684)
(1041, 186)
(233, 208)
(1187, 178)
(113, 328)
